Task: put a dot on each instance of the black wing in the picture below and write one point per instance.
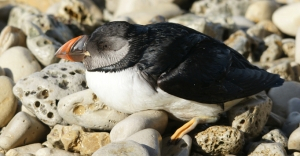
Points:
(211, 72)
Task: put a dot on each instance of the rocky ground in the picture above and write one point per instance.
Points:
(47, 108)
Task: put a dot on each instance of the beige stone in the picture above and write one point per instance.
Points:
(294, 142)
(239, 42)
(8, 102)
(54, 152)
(28, 149)
(261, 10)
(22, 130)
(11, 36)
(251, 115)
(285, 71)
(297, 44)
(288, 47)
(66, 137)
(276, 135)
(37, 3)
(275, 149)
(220, 140)
(263, 29)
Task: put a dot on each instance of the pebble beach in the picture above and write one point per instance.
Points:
(47, 108)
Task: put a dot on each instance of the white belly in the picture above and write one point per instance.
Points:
(128, 92)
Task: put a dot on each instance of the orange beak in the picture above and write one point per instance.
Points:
(74, 50)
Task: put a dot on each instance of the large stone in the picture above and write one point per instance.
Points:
(40, 92)
(18, 62)
(261, 10)
(22, 130)
(138, 121)
(23, 150)
(251, 115)
(66, 137)
(220, 140)
(291, 24)
(8, 102)
(84, 108)
(11, 36)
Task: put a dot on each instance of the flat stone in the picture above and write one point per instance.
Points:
(287, 25)
(28, 149)
(54, 152)
(181, 148)
(18, 63)
(291, 123)
(66, 137)
(281, 95)
(269, 149)
(251, 115)
(277, 136)
(84, 108)
(261, 10)
(11, 36)
(29, 130)
(138, 121)
(200, 24)
(220, 140)
(126, 147)
(8, 102)
(289, 47)
(40, 92)
(150, 139)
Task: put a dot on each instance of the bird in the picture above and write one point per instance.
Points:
(165, 66)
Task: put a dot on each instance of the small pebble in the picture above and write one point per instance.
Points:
(11, 36)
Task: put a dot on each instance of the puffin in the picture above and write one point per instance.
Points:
(166, 66)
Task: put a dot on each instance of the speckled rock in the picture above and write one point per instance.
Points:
(138, 121)
(281, 95)
(40, 92)
(8, 102)
(181, 148)
(220, 140)
(275, 149)
(66, 137)
(294, 142)
(127, 147)
(277, 136)
(22, 130)
(16, 58)
(18, 12)
(150, 139)
(251, 115)
(28, 149)
(167, 10)
(11, 36)
(288, 47)
(54, 152)
(84, 108)
(291, 24)
(285, 71)
(263, 29)
(261, 10)
(291, 123)
(274, 50)
(200, 24)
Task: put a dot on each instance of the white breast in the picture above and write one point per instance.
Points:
(127, 91)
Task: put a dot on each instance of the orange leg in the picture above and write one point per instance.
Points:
(187, 127)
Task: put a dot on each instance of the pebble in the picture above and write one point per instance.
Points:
(84, 108)
(28, 149)
(294, 142)
(150, 139)
(200, 24)
(251, 115)
(138, 121)
(17, 13)
(242, 22)
(275, 149)
(297, 45)
(8, 102)
(277, 136)
(220, 140)
(54, 152)
(23, 129)
(291, 123)
(181, 148)
(261, 10)
(284, 70)
(11, 36)
(263, 29)
(296, 69)
(66, 137)
(291, 24)
(126, 147)
(239, 42)
(288, 47)
(18, 63)
(40, 92)
(274, 50)
(281, 95)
